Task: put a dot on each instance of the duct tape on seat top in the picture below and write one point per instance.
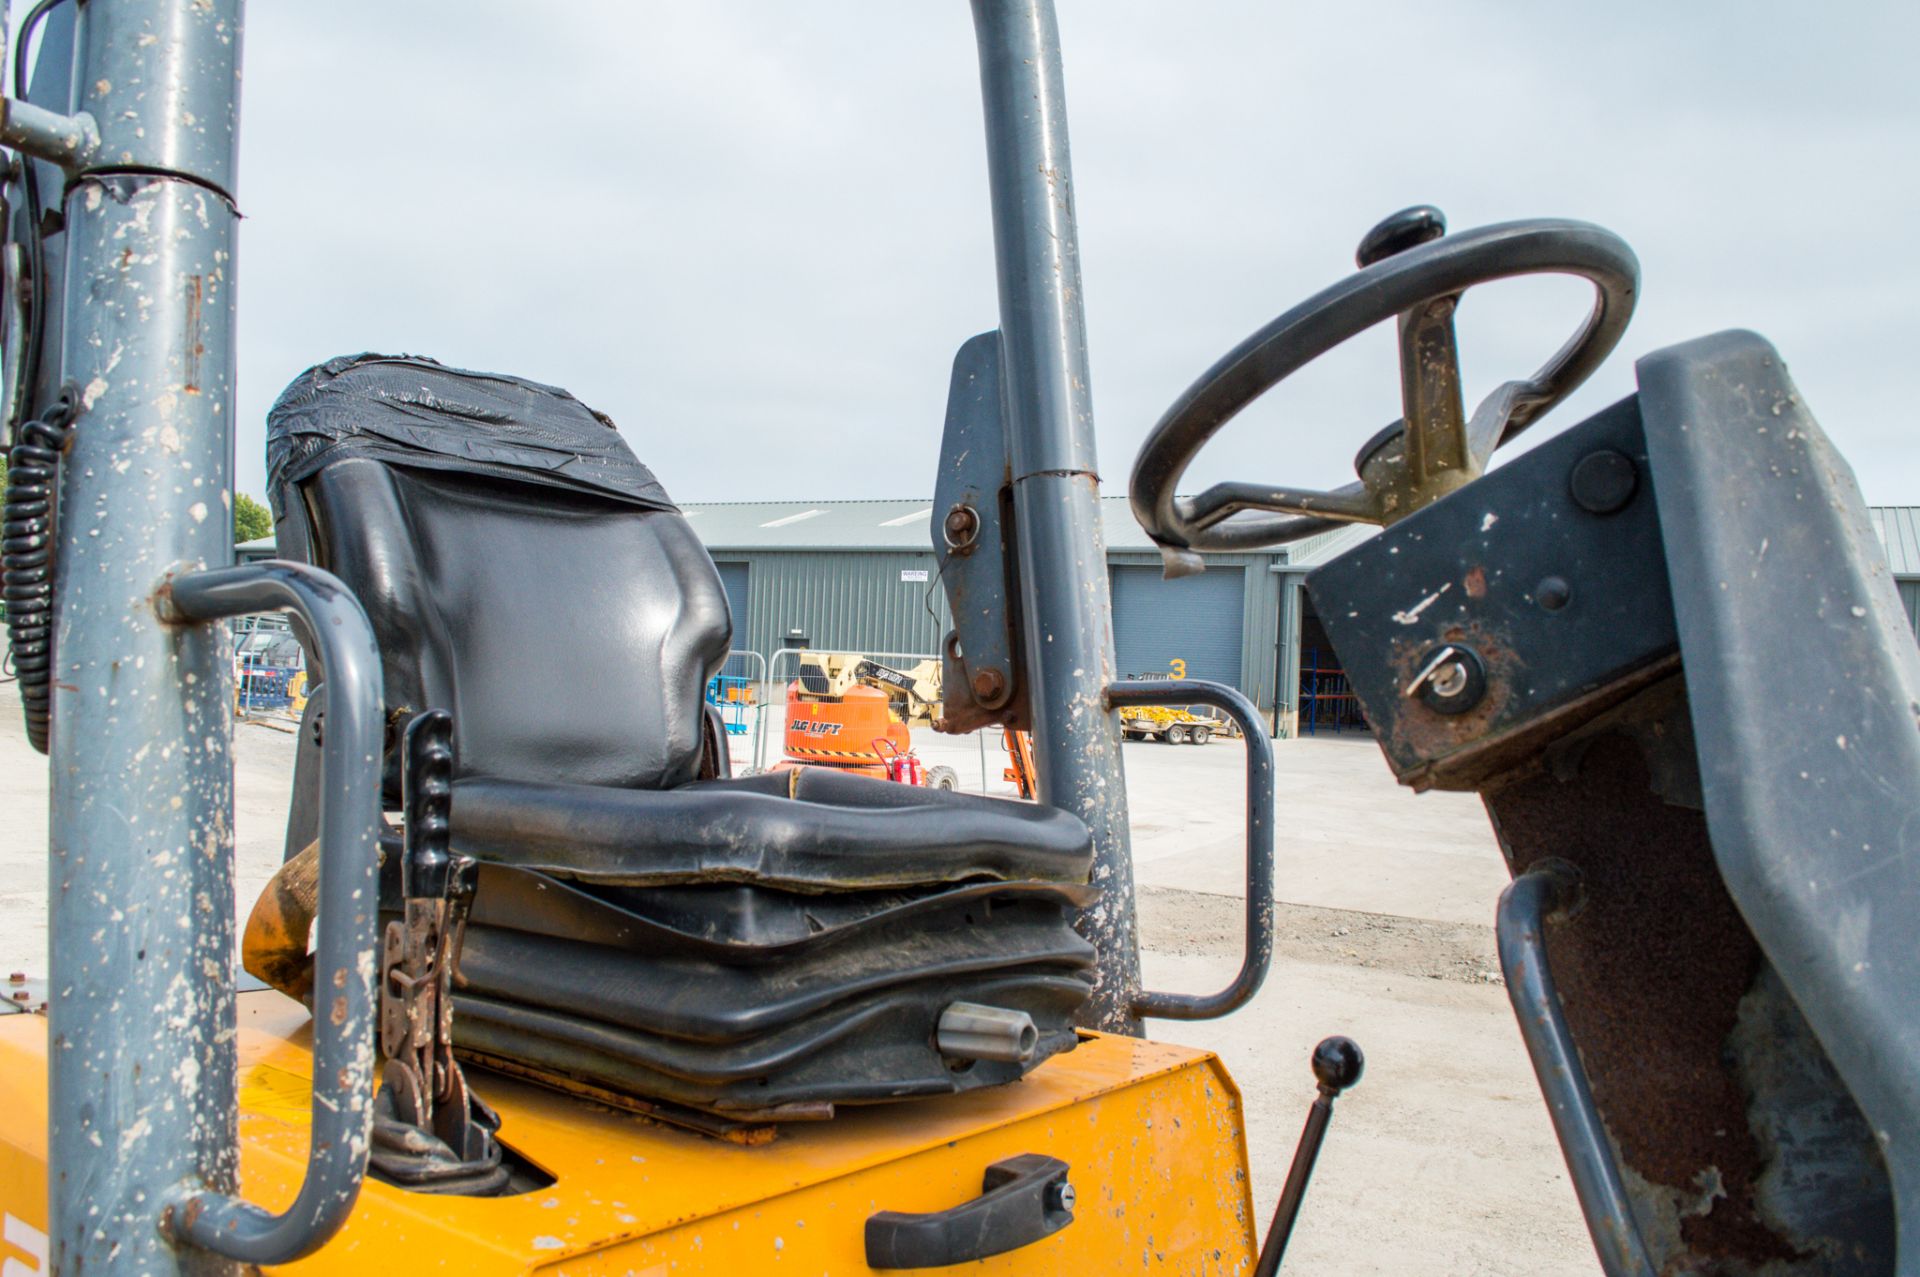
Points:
(411, 411)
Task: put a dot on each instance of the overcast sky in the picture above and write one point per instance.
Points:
(755, 233)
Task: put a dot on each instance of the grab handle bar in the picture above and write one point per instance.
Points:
(347, 933)
(1257, 952)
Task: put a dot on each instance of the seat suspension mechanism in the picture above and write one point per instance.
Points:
(431, 1133)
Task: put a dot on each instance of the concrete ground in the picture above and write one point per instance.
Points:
(1441, 1161)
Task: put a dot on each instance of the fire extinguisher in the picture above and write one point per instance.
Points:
(904, 768)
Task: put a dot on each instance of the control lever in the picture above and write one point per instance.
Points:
(430, 1132)
(1337, 1065)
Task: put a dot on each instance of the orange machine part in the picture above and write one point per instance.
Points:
(1019, 747)
(841, 733)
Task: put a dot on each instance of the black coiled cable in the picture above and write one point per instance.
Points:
(26, 553)
(36, 334)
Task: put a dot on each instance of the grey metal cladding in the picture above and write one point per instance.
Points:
(1197, 620)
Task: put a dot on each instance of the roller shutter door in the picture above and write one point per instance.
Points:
(1195, 619)
(733, 578)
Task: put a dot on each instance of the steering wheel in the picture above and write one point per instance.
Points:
(1410, 268)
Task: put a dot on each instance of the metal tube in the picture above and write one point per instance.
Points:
(141, 842)
(1286, 1211)
(1286, 691)
(142, 1067)
(758, 704)
(1056, 482)
(66, 140)
(1257, 948)
(347, 931)
(1550, 887)
(162, 81)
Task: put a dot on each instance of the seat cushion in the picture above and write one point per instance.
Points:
(867, 1050)
(727, 923)
(810, 829)
(694, 999)
(571, 636)
(785, 998)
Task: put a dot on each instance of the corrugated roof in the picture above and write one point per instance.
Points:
(906, 525)
(899, 525)
(812, 525)
(1899, 529)
(1327, 546)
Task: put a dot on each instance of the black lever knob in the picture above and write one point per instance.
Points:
(1401, 231)
(1337, 1064)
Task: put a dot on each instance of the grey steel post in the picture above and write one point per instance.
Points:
(1286, 678)
(141, 1055)
(1056, 482)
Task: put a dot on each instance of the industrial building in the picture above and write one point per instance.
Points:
(861, 576)
(1898, 527)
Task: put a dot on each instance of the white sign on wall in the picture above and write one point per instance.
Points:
(914, 574)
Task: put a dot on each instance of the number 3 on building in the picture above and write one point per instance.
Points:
(1179, 667)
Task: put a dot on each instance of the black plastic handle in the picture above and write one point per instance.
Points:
(1022, 1200)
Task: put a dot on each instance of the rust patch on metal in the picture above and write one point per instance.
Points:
(1412, 729)
(1464, 751)
(1651, 972)
(1476, 583)
(733, 1130)
(193, 335)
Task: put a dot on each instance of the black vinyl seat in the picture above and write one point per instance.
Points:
(645, 922)
(803, 830)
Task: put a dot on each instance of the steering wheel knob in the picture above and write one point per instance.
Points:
(1403, 230)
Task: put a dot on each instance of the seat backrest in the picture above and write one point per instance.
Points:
(570, 635)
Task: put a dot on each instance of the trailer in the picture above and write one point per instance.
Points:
(1174, 724)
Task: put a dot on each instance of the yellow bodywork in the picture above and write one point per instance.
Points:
(1153, 1133)
(1157, 718)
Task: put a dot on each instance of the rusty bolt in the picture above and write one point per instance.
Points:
(962, 528)
(17, 977)
(21, 995)
(989, 686)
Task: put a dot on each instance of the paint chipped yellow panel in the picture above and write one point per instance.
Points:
(270, 1092)
(1152, 1132)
